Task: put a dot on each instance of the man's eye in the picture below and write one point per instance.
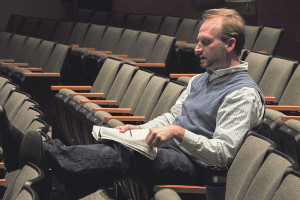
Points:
(206, 42)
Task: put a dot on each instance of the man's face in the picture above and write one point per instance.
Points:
(210, 48)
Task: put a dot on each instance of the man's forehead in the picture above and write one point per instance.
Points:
(211, 25)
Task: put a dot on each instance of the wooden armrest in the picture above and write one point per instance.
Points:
(87, 94)
(100, 102)
(120, 55)
(7, 60)
(16, 64)
(150, 64)
(106, 52)
(74, 46)
(58, 87)
(3, 182)
(2, 166)
(34, 69)
(179, 75)
(287, 117)
(137, 59)
(126, 118)
(90, 48)
(182, 42)
(42, 74)
(283, 108)
(113, 110)
(182, 188)
(270, 98)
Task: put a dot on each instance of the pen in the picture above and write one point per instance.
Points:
(130, 132)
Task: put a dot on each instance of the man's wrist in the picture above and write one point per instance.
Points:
(178, 132)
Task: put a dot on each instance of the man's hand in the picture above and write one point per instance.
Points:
(125, 128)
(158, 136)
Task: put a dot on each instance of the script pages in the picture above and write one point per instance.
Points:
(134, 139)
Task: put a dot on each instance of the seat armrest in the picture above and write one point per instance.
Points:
(74, 46)
(106, 52)
(137, 59)
(87, 94)
(179, 75)
(34, 69)
(268, 98)
(150, 64)
(2, 166)
(126, 118)
(3, 182)
(100, 102)
(7, 60)
(41, 74)
(113, 110)
(287, 117)
(283, 108)
(17, 64)
(58, 87)
(182, 188)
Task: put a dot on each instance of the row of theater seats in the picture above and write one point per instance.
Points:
(185, 30)
(259, 171)
(123, 92)
(20, 115)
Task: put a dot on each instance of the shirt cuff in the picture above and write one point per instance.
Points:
(189, 141)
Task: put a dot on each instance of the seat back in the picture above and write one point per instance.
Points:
(15, 23)
(162, 49)
(106, 76)
(135, 90)
(134, 21)
(29, 50)
(46, 29)
(117, 19)
(152, 23)
(4, 40)
(8, 88)
(167, 99)
(30, 174)
(257, 64)
(289, 188)
(185, 29)
(289, 140)
(145, 39)
(121, 82)
(150, 96)
(193, 38)
(270, 125)
(62, 32)
(93, 36)
(14, 46)
(269, 176)
(57, 59)
(110, 39)
(27, 193)
(267, 40)
(42, 54)
(30, 26)
(280, 68)
(78, 33)
(100, 17)
(169, 25)
(126, 42)
(246, 165)
(251, 35)
(291, 94)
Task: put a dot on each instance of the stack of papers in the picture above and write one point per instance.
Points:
(134, 139)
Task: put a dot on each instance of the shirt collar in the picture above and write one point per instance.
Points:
(243, 66)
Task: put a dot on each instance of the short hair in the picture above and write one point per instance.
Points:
(233, 25)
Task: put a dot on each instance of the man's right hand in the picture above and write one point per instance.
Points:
(125, 128)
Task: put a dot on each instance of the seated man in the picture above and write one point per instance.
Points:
(206, 126)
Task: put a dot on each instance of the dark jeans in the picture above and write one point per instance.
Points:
(111, 161)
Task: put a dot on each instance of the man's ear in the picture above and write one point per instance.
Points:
(230, 45)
